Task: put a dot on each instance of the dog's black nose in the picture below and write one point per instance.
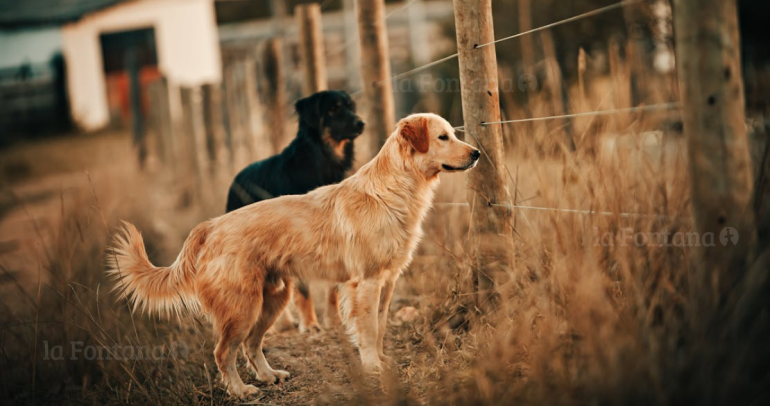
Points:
(360, 125)
(475, 154)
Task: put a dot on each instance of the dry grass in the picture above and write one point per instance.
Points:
(576, 322)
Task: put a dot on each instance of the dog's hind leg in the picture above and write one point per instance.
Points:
(276, 297)
(234, 308)
(304, 302)
(232, 333)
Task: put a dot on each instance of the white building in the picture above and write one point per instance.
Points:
(172, 38)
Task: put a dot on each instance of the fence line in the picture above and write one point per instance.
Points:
(554, 209)
(653, 107)
(478, 46)
(400, 9)
(568, 20)
(423, 67)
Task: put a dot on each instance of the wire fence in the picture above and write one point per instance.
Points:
(638, 109)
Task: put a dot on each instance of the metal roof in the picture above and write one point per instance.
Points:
(23, 13)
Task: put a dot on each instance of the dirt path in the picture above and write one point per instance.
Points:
(324, 366)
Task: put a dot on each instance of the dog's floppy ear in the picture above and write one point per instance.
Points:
(308, 110)
(415, 130)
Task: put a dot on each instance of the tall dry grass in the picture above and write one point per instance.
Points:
(583, 316)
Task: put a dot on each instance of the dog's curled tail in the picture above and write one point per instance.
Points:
(165, 290)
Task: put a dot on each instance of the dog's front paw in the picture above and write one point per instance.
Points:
(281, 375)
(273, 376)
(243, 391)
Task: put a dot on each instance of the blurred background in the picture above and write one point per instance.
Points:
(145, 110)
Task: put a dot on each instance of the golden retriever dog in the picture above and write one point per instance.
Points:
(238, 268)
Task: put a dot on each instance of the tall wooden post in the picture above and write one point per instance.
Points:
(137, 115)
(527, 41)
(275, 91)
(214, 124)
(239, 151)
(711, 88)
(491, 225)
(553, 82)
(375, 70)
(192, 106)
(352, 53)
(418, 38)
(311, 48)
(259, 142)
(160, 108)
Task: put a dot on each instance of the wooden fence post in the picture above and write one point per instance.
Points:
(527, 41)
(275, 89)
(491, 225)
(135, 97)
(375, 69)
(352, 53)
(195, 128)
(234, 116)
(418, 38)
(311, 48)
(553, 82)
(259, 142)
(160, 108)
(711, 88)
(214, 124)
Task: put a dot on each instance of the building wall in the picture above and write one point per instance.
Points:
(187, 46)
(35, 46)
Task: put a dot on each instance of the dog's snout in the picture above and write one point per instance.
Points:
(360, 125)
(475, 154)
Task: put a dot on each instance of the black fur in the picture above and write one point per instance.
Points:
(309, 161)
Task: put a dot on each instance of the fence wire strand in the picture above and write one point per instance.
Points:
(568, 20)
(653, 107)
(478, 46)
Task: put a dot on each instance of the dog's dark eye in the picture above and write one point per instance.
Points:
(443, 137)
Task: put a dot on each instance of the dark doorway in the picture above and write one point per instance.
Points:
(123, 52)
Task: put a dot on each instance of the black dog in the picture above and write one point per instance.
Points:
(321, 155)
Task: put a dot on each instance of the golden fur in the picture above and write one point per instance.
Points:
(238, 268)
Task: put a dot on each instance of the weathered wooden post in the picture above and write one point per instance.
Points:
(258, 138)
(553, 82)
(214, 124)
(233, 114)
(275, 91)
(491, 225)
(134, 68)
(192, 106)
(352, 53)
(711, 88)
(160, 107)
(375, 70)
(311, 48)
(418, 38)
(527, 41)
